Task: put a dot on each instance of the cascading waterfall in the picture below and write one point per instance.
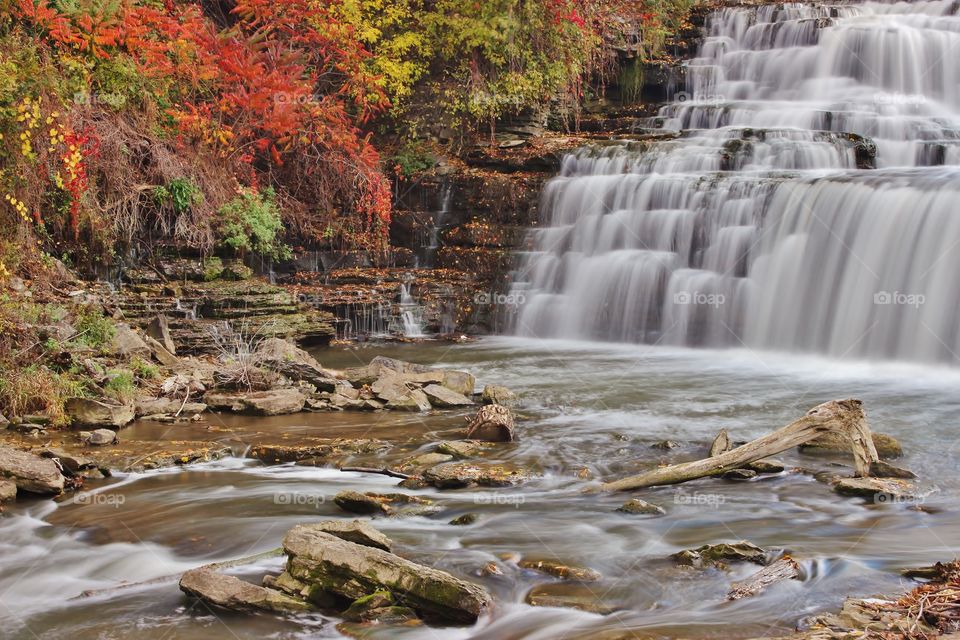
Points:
(801, 196)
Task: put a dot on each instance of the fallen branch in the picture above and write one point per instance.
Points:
(385, 472)
(844, 416)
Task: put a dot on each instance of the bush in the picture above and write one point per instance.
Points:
(145, 370)
(93, 329)
(251, 222)
(120, 385)
(181, 194)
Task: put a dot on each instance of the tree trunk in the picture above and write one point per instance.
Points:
(845, 416)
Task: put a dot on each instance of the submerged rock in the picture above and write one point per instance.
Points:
(465, 519)
(232, 593)
(320, 450)
(638, 506)
(353, 571)
(493, 423)
(719, 554)
(356, 502)
(94, 413)
(392, 504)
(570, 596)
(31, 473)
(561, 570)
(880, 490)
(463, 449)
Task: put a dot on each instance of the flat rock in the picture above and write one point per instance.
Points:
(171, 406)
(720, 554)
(424, 461)
(739, 474)
(440, 396)
(413, 400)
(464, 474)
(831, 442)
(356, 502)
(561, 570)
(274, 402)
(879, 490)
(353, 571)
(235, 594)
(99, 437)
(356, 531)
(327, 449)
(766, 466)
(463, 449)
(31, 473)
(94, 413)
(641, 507)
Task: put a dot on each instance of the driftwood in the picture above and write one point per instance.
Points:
(844, 416)
(384, 471)
(786, 568)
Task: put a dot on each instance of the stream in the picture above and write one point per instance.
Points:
(585, 406)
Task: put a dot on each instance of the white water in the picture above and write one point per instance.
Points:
(798, 208)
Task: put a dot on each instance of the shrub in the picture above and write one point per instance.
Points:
(93, 329)
(37, 389)
(120, 385)
(145, 370)
(251, 222)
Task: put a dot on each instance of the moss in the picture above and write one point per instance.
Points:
(212, 269)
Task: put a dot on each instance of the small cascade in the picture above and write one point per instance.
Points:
(410, 314)
(428, 257)
(802, 196)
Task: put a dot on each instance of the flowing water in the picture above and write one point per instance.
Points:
(600, 409)
(797, 210)
(807, 202)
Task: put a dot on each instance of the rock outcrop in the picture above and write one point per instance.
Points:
(87, 412)
(31, 473)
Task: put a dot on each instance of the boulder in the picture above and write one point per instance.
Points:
(127, 342)
(8, 490)
(296, 364)
(833, 442)
(95, 413)
(440, 396)
(493, 423)
(880, 490)
(719, 554)
(641, 507)
(495, 394)
(99, 437)
(354, 571)
(31, 473)
(160, 406)
(232, 593)
(356, 502)
(159, 330)
(465, 520)
(274, 402)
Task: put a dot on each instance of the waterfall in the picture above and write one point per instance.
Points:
(411, 314)
(800, 197)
